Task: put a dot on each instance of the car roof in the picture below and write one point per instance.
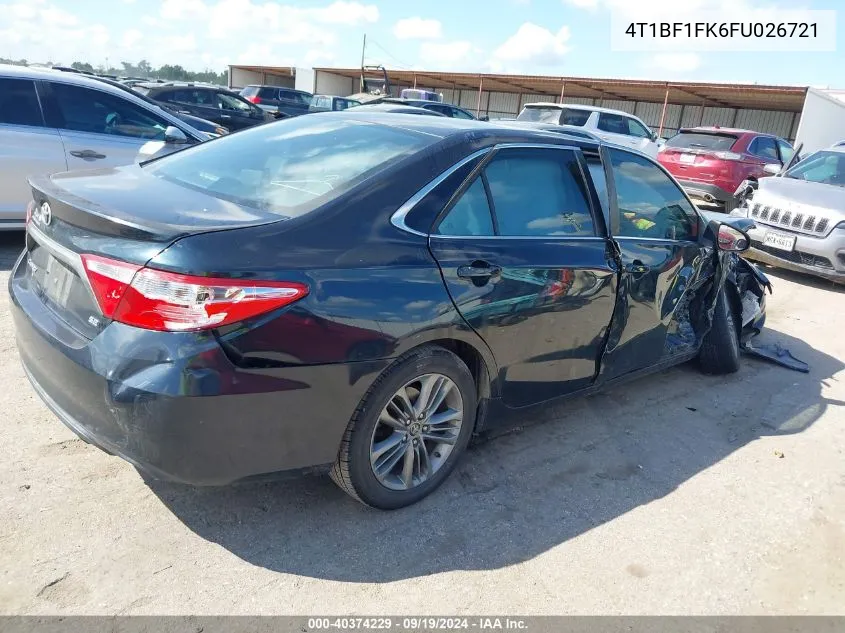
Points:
(305, 92)
(399, 107)
(468, 129)
(726, 130)
(577, 106)
(549, 127)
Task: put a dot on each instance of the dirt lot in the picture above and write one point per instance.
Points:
(676, 494)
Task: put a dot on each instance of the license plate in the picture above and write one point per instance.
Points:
(57, 281)
(780, 241)
(688, 159)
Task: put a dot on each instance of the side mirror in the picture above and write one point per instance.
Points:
(174, 135)
(732, 239)
(484, 117)
(772, 169)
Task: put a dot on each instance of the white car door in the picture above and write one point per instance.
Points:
(27, 148)
(642, 138)
(101, 129)
(625, 131)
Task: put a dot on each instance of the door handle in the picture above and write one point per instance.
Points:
(479, 270)
(636, 267)
(87, 153)
(225, 116)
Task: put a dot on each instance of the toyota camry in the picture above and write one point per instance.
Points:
(363, 294)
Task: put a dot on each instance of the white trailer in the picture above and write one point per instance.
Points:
(822, 120)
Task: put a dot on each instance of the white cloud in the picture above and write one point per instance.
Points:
(184, 31)
(131, 38)
(451, 54)
(347, 13)
(418, 29)
(677, 62)
(532, 46)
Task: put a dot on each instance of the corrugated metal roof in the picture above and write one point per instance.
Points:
(279, 70)
(710, 95)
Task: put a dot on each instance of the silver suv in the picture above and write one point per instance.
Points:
(800, 217)
(52, 121)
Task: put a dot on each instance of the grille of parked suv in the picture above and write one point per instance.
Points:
(796, 257)
(799, 221)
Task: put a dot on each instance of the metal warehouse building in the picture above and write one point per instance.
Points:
(664, 106)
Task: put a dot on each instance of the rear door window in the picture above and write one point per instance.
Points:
(539, 192)
(19, 103)
(578, 118)
(461, 114)
(613, 123)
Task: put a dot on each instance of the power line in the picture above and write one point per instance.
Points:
(398, 62)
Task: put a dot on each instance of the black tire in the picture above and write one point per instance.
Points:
(352, 471)
(720, 349)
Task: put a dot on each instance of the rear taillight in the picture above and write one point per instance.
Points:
(157, 300)
(256, 99)
(728, 155)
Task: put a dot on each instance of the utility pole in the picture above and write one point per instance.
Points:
(363, 52)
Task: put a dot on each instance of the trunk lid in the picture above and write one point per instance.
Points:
(124, 214)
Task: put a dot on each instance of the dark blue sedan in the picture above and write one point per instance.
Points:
(362, 293)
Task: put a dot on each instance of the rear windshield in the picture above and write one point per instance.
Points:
(562, 116)
(249, 91)
(702, 140)
(290, 167)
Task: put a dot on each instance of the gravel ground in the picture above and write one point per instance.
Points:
(678, 493)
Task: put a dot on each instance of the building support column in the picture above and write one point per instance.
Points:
(663, 114)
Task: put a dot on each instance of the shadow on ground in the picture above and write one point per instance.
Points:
(575, 466)
(11, 245)
(804, 279)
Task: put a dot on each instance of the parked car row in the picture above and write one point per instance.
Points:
(54, 121)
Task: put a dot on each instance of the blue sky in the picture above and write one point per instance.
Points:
(548, 37)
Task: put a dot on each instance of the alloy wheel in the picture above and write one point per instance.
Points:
(416, 431)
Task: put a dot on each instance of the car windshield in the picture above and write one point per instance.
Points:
(297, 97)
(290, 167)
(231, 102)
(702, 140)
(826, 167)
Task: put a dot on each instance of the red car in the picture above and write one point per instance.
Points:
(711, 162)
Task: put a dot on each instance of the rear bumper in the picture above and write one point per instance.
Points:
(703, 190)
(176, 407)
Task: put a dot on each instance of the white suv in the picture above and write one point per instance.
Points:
(52, 121)
(613, 126)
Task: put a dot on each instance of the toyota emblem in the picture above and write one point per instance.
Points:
(44, 215)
